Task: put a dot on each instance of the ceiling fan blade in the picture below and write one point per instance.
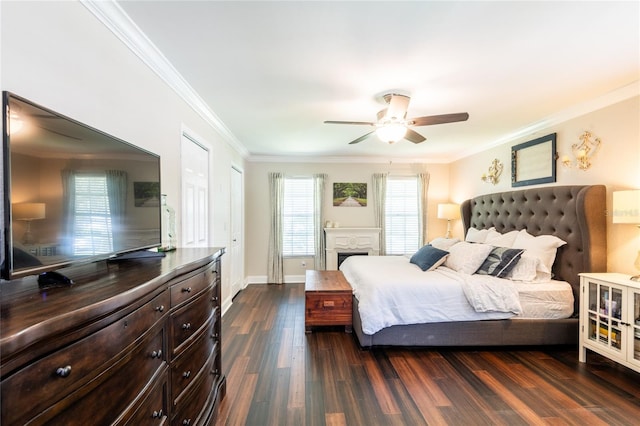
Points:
(438, 119)
(398, 105)
(361, 138)
(414, 137)
(361, 123)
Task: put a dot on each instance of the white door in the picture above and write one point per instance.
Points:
(237, 231)
(195, 193)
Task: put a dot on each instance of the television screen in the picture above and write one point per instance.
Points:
(72, 193)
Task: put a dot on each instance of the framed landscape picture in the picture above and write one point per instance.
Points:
(349, 194)
(146, 194)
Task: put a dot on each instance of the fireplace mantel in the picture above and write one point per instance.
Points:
(350, 240)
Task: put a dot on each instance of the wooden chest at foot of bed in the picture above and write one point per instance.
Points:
(328, 300)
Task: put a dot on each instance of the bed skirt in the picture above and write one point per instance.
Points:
(508, 332)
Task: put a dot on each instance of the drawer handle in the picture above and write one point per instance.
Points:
(157, 414)
(186, 326)
(63, 371)
(186, 289)
(214, 371)
(214, 299)
(160, 308)
(214, 335)
(156, 354)
(186, 422)
(186, 374)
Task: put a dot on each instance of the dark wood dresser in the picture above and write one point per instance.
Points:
(133, 342)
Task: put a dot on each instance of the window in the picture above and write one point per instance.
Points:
(92, 224)
(297, 221)
(402, 232)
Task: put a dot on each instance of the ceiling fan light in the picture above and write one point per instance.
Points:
(391, 133)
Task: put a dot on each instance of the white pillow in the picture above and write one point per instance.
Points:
(543, 246)
(444, 243)
(477, 235)
(497, 239)
(467, 257)
(530, 269)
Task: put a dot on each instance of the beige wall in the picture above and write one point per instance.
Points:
(257, 204)
(616, 165)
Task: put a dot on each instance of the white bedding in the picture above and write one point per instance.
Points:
(392, 291)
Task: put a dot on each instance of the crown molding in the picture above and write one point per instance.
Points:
(621, 94)
(119, 23)
(341, 159)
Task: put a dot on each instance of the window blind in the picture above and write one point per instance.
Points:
(92, 225)
(401, 215)
(297, 220)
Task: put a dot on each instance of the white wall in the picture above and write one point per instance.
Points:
(59, 55)
(616, 165)
(257, 204)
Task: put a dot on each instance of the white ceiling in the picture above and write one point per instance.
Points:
(272, 72)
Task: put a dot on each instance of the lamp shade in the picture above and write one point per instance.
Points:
(28, 211)
(626, 207)
(448, 211)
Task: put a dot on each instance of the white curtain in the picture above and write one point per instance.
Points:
(275, 272)
(117, 193)
(318, 220)
(423, 188)
(379, 189)
(68, 209)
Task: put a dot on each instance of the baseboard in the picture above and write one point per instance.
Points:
(262, 279)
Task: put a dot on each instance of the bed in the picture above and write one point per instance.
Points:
(574, 214)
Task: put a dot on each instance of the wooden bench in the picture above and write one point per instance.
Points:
(328, 300)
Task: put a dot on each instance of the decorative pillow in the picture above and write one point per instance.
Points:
(497, 239)
(477, 235)
(429, 257)
(467, 257)
(500, 261)
(530, 269)
(543, 246)
(444, 243)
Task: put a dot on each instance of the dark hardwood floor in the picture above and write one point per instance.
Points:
(278, 375)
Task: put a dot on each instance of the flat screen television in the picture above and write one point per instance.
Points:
(72, 194)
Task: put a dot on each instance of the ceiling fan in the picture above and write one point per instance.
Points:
(392, 124)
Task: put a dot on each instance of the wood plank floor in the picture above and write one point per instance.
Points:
(278, 375)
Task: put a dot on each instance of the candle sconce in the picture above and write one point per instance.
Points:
(583, 152)
(494, 172)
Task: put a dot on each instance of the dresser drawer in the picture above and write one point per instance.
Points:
(153, 409)
(328, 308)
(185, 322)
(49, 379)
(118, 389)
(194, 404)
(188, 288)
(192, 360)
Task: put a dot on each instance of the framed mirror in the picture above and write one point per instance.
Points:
(534, 162)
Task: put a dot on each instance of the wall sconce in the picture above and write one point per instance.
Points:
(448, 211)
(583, 152)
(493, 175)
(626, 209)
(28, 212)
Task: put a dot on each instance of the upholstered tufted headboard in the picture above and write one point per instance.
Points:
(576, 214)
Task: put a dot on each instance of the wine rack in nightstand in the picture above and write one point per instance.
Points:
(610, 318)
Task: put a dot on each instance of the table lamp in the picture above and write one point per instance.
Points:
(448, 211)
(626, 209)
(28, 212)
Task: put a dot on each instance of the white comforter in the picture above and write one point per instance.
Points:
(392, 291)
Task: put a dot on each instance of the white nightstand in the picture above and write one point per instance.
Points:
(610, 318)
